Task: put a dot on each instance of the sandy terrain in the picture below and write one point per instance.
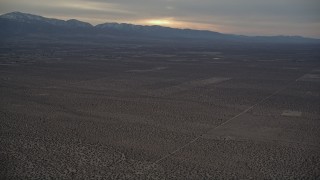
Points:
(146, 112)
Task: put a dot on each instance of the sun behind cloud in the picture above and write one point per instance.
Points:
(175, 23)
(160, 22)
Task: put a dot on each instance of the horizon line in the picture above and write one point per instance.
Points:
(155, 25)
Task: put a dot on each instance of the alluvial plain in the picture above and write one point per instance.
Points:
(132, 110)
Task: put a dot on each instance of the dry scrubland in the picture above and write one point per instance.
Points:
(132, 111)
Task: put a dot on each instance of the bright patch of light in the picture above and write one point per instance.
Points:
(176, 23)
(160, 22)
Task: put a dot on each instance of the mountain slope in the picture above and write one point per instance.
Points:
(17, 23)
(30, 18)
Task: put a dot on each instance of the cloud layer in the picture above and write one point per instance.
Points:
(250, 17)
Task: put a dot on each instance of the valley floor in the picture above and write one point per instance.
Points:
(130, 112)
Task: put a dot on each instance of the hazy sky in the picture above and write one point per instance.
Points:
(249, 17)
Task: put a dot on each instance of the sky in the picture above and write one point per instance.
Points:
(247, 17)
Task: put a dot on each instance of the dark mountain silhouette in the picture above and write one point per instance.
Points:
(19, 24)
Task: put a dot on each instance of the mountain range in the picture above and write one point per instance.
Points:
(20, 24)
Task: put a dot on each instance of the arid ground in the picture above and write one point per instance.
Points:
(159, 111)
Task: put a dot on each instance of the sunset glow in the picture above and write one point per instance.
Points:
(176, 23)
(160, 22)
(254, 17)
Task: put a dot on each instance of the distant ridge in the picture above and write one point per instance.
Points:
(19, 24)
(30, 18)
